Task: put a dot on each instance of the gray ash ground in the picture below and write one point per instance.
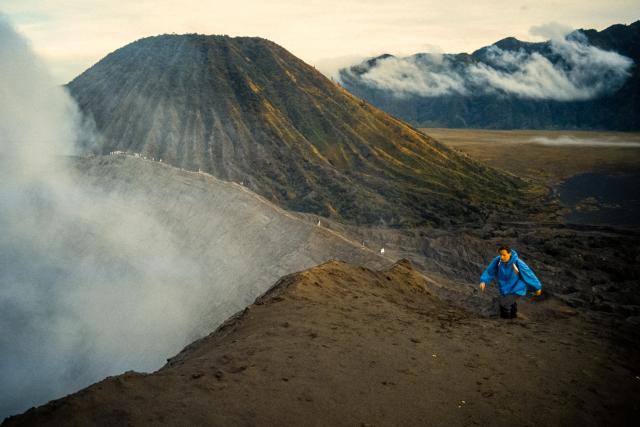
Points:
(590, 266)
(342, 345)
(602, 198)
(570, 360)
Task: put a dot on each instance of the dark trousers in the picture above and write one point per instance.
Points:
(508, 306)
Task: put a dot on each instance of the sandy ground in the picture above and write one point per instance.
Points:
(220, 245)
(517, 152)
(344, 345)
(243, 242)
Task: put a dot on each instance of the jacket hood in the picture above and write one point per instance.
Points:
(514, 257)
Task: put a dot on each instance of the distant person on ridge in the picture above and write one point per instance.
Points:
(513, 277)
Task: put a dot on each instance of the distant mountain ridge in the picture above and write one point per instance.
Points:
(456, 93)
(244, 109)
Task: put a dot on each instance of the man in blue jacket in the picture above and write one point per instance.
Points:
(513, 277)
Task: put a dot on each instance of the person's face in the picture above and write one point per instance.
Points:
(505, 256)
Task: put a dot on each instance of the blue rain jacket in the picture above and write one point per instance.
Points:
(510, 281)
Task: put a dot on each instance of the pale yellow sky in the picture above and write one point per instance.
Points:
(71, 35)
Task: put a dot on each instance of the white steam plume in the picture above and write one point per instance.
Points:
(89, 285)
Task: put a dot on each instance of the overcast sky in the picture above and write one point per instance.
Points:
(71, 35)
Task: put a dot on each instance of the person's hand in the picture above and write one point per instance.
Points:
(538, 292)
(482, 286)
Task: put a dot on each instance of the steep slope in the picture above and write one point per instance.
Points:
(179, 253)
(246, 110)
(344, 345)
(242, 242)
(440, 90)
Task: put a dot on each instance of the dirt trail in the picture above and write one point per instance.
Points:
(344, 345)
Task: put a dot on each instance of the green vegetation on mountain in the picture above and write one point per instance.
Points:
(246, 110)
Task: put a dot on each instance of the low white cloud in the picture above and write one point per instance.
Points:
(330, 67)
(567, 140)
(429, 75)
(579, 71)
(551, 31)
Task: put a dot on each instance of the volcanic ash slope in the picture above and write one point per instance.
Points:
(344, 345)
(245, 109)
(242, 242)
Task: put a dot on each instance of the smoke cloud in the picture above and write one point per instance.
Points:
(568, 69)
(91, 283)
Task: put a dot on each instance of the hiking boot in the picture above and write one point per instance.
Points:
(513, 311)
(505, 313)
